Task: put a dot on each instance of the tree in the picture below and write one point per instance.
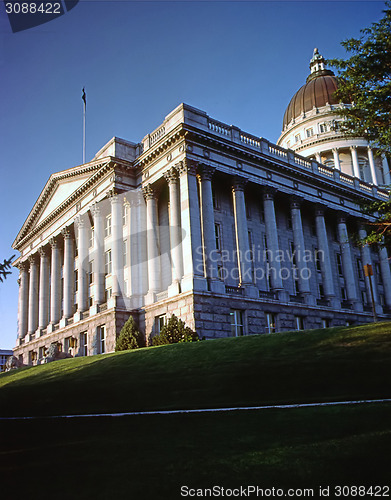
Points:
(365, 81)
(130, 337)
(173, 332)
(4, 268)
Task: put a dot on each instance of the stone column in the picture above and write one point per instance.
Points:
(43, 315)
(367, 259)
(386, 274)
(117, 246)
(23, 305)
(274, 265)
(193, 266)
(55, 282)
(372, 166)
(356, 170)
(337, 163)
(33, 295)
(172, 179)
(82, 264)
(68, 274)
(150, 196)
(299, 247)
(347, 262)
(137, 247)
(205, 174)
(324, 255)
(318, 157)
(98, 265)
(386, 171)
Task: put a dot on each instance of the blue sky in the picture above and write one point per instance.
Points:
(241, 62)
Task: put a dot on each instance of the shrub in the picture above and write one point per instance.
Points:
(173, 332)
(130, 337)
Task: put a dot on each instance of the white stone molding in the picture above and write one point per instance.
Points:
(367, 260)
(323, 247)
(347, 259)
(272, 239)
(172, 179)
(55, 282)
(33, 295)
(372, 166)
(23, 301)
(117, 245)
(82, 263)
(299, 246)
(68, 277)
(43, 314)
(356, 170)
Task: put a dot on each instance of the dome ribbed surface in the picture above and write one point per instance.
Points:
(317, 92)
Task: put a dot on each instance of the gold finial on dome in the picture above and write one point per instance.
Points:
(317, 62)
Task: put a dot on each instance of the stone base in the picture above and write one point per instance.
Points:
(174, 289)
(251, 291)
(283, 295)
(150, 298)
(357, 306)
(196, 283)
(310, 300)
(63, 322)
(217, 286)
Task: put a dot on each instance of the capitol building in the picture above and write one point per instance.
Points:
(233, 234)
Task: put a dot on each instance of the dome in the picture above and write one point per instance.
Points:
(317, 92)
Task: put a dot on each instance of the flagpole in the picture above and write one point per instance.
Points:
(84, 125)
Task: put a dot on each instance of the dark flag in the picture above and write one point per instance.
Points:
(84, 97)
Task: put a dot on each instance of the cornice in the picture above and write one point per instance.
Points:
(160, 147)
(101, 167)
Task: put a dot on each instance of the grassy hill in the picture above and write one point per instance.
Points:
(290, 367)
(147, 457)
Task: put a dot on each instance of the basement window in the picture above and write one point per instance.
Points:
(236, 316)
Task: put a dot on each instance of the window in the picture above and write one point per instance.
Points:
(323, 128)
(108, 262)
(309, 132)
(76, 280)
(108, 226)
(343, 293)
(360, 270)
(92, 237)
(125, 252)
(382, 300)
(83, 344)
(339, 264)
(317, 260)
(297, 138)
(216, 201)
(270, 323)
(299, 323)
(67, 345)
(364, 297)
(220, 271)
(378, 274)
(124, 214)
(236, 322)
(251, 246)
(41, 352)
(102, 339)
(325, 323)
(261, 213)
(126, 288)
(218, 236)
(321, 291)
(91, 272)
(160, 321)
(108, 293)
(289, 221)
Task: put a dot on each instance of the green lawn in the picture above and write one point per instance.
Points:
(148, 457)
(311, 366)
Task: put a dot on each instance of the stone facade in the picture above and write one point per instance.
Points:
(229, 232)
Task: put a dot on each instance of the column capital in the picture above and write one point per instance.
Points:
(342, 217)
(22, 266)
(171, 176)
(53, 242)
(238, 183)
(80, 221)
(149, 192)
(187, 167)
(269, 193)
(353, 148)
(296, 201)
(33, 260)
(95, 209)
(334, 150)
(66, 233)
(320, 210)
(205, 172)
(43, 252)
(114, 195)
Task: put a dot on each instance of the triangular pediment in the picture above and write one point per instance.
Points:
(61, 193)
(62, 188)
